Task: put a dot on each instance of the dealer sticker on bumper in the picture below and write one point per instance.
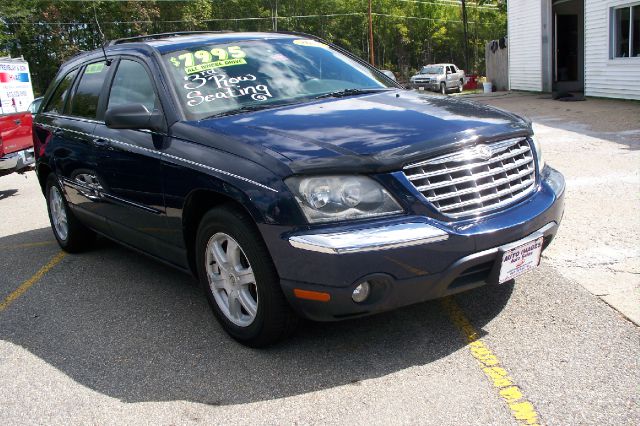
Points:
(520, 260)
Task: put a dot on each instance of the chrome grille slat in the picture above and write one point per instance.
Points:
(491, 172)
(467, 166)
(524, 173)
(476, 179)
(490, 197)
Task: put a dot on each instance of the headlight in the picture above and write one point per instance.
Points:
(538, 149)
(335, 198)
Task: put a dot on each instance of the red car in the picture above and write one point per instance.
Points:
(16, 142)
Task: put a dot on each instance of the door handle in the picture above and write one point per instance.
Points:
(58, 132)
(100, 142)
(17, 121)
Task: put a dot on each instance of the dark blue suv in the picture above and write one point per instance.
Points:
(290, 176)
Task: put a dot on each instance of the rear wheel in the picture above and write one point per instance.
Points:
(461, 86)
(443, 88)
(240, 280)
(71, 235)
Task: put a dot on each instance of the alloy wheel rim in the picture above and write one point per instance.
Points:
(231, 279)
(58, 213)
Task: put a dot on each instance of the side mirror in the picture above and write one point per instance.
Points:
(448, 72)
(389, 74)
(133, 116)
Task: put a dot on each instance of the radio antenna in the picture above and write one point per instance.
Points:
(103, 39)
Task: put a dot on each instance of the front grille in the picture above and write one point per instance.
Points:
(477, 179)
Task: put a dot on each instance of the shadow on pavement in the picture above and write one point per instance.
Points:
(8, 193)
(134, 329)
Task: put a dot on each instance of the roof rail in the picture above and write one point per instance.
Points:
(160, 35)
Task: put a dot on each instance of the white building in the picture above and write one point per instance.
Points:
(575, 45)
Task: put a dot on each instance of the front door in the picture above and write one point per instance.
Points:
(451, 77)
(129, 161)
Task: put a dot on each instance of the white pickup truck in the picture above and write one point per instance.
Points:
(439, 77)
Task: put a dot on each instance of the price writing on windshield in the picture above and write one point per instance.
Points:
(203, 60)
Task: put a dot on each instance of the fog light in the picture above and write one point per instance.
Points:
(361, 292)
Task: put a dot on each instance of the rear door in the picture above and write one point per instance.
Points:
(130, 165)
(79, 167)
(69, 119)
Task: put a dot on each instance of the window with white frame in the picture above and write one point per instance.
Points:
(625, 31)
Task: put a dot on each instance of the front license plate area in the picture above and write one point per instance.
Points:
(520, 260)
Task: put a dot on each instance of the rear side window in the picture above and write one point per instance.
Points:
(132, 85)
(84, 102)
(56, 104)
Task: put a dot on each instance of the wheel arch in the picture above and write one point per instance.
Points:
(199, 201)
(42, 171)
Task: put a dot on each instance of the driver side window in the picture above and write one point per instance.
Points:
(132, 85)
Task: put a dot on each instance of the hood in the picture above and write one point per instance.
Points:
(368, 133)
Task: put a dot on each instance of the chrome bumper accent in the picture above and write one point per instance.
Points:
(370, 239)
(17, 160)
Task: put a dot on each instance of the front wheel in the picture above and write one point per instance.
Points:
(443, 88)
(240, 280)
(461, 86)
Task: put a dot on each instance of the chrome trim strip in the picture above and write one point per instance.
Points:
(370, 239)
(132, 204)
(162, 154)
(71, 117)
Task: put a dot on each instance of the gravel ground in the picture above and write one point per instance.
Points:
(596, 145)
(112, 337)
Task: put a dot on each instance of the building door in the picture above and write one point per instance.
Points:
(566, 60)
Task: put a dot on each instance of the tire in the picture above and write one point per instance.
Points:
(71, 234)
(251, 309)
(443, 88)
(461, 87)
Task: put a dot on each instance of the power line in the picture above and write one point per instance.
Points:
(257, 18)
(451, 3)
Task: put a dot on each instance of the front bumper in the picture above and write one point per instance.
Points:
(425, 85)
(16, 161)
(436, 258)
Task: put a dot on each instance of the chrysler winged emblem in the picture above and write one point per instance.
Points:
(483, 151)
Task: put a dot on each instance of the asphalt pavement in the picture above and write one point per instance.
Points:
(111, 337)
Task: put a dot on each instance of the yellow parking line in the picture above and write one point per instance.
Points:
(28, 245)
(521, 408)
(31, 281)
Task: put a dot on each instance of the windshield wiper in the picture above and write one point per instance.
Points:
(350, 92)
(246, 108)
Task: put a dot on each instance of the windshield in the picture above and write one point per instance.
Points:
(215, 79)
(431, 70)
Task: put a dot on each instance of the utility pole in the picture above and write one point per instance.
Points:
(466, 38)
(274, 16)
(371, 56)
